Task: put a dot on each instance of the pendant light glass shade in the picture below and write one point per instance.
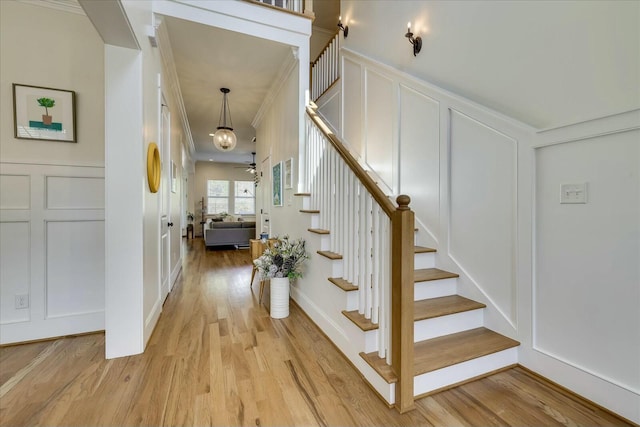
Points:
(224, 139)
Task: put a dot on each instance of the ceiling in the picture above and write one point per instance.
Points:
(207, 59)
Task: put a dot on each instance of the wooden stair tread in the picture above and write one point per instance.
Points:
(426, 274)
(311, 211)
(302, 194)
(380, 366)
(448, 350)
(318, 231)
(330, 255)
(423, 249)
(360, 321)
(443, 306)
(440, 352)
(343, 284)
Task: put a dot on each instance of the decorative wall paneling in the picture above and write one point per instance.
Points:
(585, 320)
(52, 242)
(458, 162)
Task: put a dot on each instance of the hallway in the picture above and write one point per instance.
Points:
(217, 358)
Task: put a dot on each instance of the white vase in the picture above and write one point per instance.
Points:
(279, 297)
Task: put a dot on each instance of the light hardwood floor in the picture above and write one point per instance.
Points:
(216, 358)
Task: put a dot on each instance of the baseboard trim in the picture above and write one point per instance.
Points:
(572, 393)
(11, 344)
(390, 406)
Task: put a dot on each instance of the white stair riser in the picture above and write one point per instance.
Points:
(325, 241)
(315, 220)
(435, 289)
(366, 341)
(444, 377)
(306, 202)
(425, 260)
(445, 325)
(352, 300)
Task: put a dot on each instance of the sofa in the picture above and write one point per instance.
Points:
(229, 233)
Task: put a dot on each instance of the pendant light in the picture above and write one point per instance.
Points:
(224, 139)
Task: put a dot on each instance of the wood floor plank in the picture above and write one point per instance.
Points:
(217, 358)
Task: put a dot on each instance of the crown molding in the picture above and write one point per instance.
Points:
(171, 75)
(71, 6)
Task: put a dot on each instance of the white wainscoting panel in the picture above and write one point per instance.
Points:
(420, 156)
(483, 208)
(381, 152)
(587, 271)
(15, 260)
(352, 133)
(75, 271)
(15, 191)
(53, 244)
(74, 192)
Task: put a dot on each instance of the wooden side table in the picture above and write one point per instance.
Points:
(189, 230)
(256, 248)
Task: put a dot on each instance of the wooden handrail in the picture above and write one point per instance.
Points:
(387, 206)
(324, 48)
(402, 271)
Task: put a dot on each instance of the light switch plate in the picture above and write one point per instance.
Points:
(573, 193)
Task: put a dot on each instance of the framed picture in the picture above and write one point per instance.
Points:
(44, 113)
(277, 184)
(288, 177)
(174, 177)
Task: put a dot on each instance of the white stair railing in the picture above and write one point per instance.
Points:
(359, 230)
(325, 70)
(292, 5)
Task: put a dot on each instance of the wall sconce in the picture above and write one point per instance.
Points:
(345, 29)
(415, 41)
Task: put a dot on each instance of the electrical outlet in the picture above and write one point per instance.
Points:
(22, 301)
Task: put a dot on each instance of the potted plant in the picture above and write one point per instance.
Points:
(190, 217)
(46, 103)
(280, 263)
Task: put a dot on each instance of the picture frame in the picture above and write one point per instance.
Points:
(288, 176)
(276, 180)
(43, 113)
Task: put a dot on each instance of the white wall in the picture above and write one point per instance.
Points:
(585, 318)
(543, 63)
(74, 61)
(278, 139)
(51, 193)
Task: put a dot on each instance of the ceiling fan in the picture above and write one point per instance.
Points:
(251, 166)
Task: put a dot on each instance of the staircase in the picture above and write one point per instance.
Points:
(450, 343)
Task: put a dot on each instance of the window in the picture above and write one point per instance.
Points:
(217, 196)
(220, 198)
(245, 198)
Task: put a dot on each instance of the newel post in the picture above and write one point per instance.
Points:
(402, 250)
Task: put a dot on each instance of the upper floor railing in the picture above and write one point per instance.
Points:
(290, 5)
(325, 70)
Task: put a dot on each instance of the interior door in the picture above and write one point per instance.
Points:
(265, 190)
(165, 210)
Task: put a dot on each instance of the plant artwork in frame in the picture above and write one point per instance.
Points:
(277, 184)
(44, 113)
(288, 177)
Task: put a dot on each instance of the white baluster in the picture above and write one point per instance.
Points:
(368, 263)
(375, 279)
(362, 221)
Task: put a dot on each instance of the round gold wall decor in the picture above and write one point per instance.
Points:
(153, 167)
